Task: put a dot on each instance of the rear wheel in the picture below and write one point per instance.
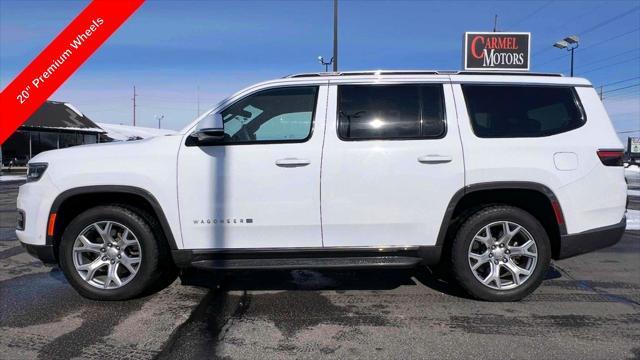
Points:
(500, 253)
(110, 253)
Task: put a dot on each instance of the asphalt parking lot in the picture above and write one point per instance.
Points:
(588, 308)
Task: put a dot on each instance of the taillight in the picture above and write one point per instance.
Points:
(611, 157)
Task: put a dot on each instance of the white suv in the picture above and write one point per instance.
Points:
(491, 174)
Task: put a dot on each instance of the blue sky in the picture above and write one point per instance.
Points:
(170, 49)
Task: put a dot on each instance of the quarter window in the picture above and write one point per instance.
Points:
(282, 114)
(499, 111)
(390, 111)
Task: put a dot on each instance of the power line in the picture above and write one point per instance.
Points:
(167, 99)
(582, 49)
(608, 21)
(102, 99)
(577, 16)
(598, 25)
(628, 131)
(165, 107)
(531, 14)
(611, 38)
(622, 88)
(621, 81)
(105, 110)
(624, 93)
(605, 65)
(609, 57)
(608, 65)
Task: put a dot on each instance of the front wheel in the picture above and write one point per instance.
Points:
(110, 253)
(500, 253)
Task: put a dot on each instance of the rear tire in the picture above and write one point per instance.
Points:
(99, 271)
(500, 253)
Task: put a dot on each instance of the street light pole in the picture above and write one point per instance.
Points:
(572, 48)
(159, 118)
(325, 63)
(570, 43)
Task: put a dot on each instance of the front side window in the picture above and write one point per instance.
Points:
(367, 112)
(273, 115)
(500, 111)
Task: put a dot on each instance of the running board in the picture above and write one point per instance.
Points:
(309, 263)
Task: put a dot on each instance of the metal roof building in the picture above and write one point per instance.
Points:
(54, 125)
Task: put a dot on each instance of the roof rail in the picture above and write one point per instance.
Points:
(504, 72)
(419, 72)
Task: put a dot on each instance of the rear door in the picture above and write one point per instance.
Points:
(392, 161)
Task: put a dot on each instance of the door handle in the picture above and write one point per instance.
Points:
(292, 162)
(434, 159)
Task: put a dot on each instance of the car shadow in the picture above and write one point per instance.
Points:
(308, 280)
(336, 280)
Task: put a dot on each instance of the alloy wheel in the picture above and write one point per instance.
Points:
(107, 255)
(503, 255)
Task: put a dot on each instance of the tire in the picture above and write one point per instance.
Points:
(473, 246)
(168, 271)
(147, 252)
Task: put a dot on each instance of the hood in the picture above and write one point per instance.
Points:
(117, 150)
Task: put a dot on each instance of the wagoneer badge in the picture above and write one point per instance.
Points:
(222, 221)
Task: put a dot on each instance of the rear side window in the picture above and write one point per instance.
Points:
(367, 112)
(499, 111)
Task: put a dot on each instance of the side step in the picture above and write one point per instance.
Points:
(309, 263)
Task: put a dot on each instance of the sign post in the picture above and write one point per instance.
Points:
(497, 51)
(633, 149)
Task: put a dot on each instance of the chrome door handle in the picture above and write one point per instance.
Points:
(292, 162)
(434, 159)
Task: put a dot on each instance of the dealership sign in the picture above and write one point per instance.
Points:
(497, 51)
(634, 146)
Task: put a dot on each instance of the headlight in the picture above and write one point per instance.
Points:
(35, 171)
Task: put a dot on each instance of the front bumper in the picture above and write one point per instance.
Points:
(34, 202)
(591, 240)
(45, 253)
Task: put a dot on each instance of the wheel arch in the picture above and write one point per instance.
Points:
(72, 202)
(535, 198)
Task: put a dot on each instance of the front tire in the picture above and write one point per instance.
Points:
(500, 253)
(110, 253)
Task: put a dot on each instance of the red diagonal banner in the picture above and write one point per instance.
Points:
(53, 66)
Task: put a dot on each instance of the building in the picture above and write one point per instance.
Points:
(127, 132)
(54, 125)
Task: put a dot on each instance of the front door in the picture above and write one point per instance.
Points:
(392, 162)
(259, 188)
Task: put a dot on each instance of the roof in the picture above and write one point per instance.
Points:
(126, 132)
(61, 116)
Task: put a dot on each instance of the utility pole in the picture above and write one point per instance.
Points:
(495, 23)
(335, 35)
(601, 91)
(134, 105)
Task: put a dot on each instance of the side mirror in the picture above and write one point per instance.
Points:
(210, 131)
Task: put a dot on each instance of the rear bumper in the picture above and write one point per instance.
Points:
(43, 252)
(591, 240)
